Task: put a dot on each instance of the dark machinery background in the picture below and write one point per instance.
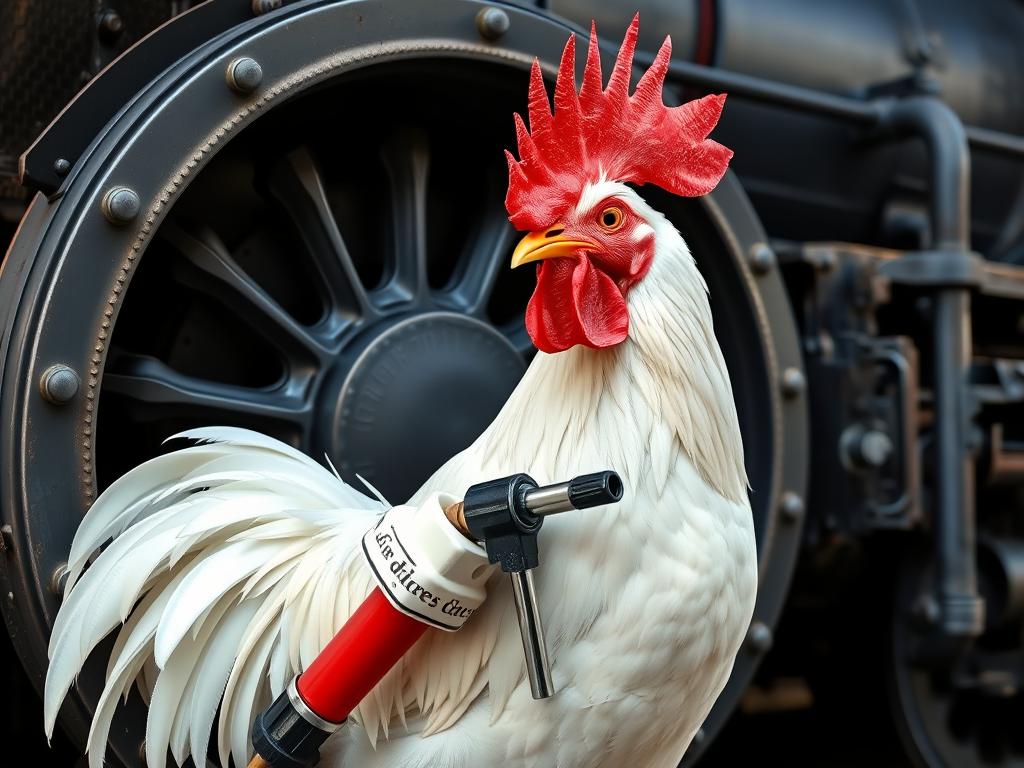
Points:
(201, 248)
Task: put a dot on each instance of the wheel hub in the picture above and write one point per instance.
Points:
(375, 422)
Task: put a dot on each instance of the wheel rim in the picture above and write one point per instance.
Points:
(942, 723)
(78, 286)
(306, 327)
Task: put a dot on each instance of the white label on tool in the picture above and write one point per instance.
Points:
(425, 567)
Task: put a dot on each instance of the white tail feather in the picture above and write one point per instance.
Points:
(233, 562)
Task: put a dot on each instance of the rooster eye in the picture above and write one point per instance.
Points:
(611, 218)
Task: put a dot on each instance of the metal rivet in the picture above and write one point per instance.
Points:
(259, 7)
(244, 75)
(865, 448)
(121, 205)
(492, 23)
(762, 258)
(61, 167)
(793, 382)
(59, 579)
(111, 22)
(759, 637)
(791, 506)
(59, 384)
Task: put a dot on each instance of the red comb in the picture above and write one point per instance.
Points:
(609, 134)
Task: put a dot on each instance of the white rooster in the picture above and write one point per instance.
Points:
(234, 561)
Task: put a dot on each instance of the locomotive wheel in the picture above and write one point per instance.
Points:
(964, 713)
(299, 245)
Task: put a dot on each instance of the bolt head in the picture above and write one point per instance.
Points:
(762, 258)
(59, 384)
(759, 637)
(111, 22)
(61, 167)
(791, 505)
(259, 7)
(864, 448)
(121, 205)
(492, 23)
(875, 447)
(244, 75)
(793, 382)
(59, 579)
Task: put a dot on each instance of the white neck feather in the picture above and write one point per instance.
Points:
(663, 394)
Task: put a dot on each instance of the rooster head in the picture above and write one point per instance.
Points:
(592, 237)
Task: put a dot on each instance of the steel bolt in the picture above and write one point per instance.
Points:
(793, 382)
(121, 205)
(111, 23)
(762, 258)
(492, 23)
(59, 579)
(259, 7)
(759, 637)
(792, 506)
(59, 384)
(61, 167)
(864, 448)
(874, 448)
(244, 75)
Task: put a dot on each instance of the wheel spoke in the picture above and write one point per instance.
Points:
(150, 382)
(473, 282)
(407, 160)
(297, 184)
(477, 271)
(219, 276)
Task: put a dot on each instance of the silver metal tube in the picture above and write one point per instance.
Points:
(538, 668)
(549, 500)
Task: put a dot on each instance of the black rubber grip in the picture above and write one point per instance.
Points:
(595, 490)
(283, 738)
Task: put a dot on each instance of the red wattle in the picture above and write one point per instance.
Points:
(575, 303)
(372, 641)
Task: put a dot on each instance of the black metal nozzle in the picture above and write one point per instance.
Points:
(595, 490)
(506, 514)
(579, 493)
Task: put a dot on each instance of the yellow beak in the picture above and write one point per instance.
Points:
(539, 245)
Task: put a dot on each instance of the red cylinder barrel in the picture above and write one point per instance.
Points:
(372, 641)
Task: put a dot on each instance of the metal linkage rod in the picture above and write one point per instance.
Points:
(962, 609)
